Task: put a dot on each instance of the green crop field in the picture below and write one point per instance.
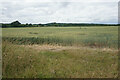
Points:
(55, 52)
(89, 36)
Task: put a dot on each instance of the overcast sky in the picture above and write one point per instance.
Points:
(79, 11)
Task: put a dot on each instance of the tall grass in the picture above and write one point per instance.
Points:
(91, 42)
(21, 62)
(33, 40)
(16, 60)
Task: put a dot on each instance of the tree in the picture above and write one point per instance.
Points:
(16, 24)
(30, 25)
(27, 25)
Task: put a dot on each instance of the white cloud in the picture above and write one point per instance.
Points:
(60, 0)
(30, 11)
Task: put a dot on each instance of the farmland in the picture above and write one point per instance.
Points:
(54, 52)
(90, 36)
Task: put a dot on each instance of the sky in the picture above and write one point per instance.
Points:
(60, 11)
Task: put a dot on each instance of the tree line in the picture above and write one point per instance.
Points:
(18, 24)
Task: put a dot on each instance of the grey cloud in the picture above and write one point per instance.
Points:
(44, 12)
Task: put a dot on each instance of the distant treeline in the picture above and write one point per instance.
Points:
(18, 24)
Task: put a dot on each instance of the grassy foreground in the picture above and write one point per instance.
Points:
(20, 61)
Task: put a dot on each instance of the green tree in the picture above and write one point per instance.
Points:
(16, 24)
